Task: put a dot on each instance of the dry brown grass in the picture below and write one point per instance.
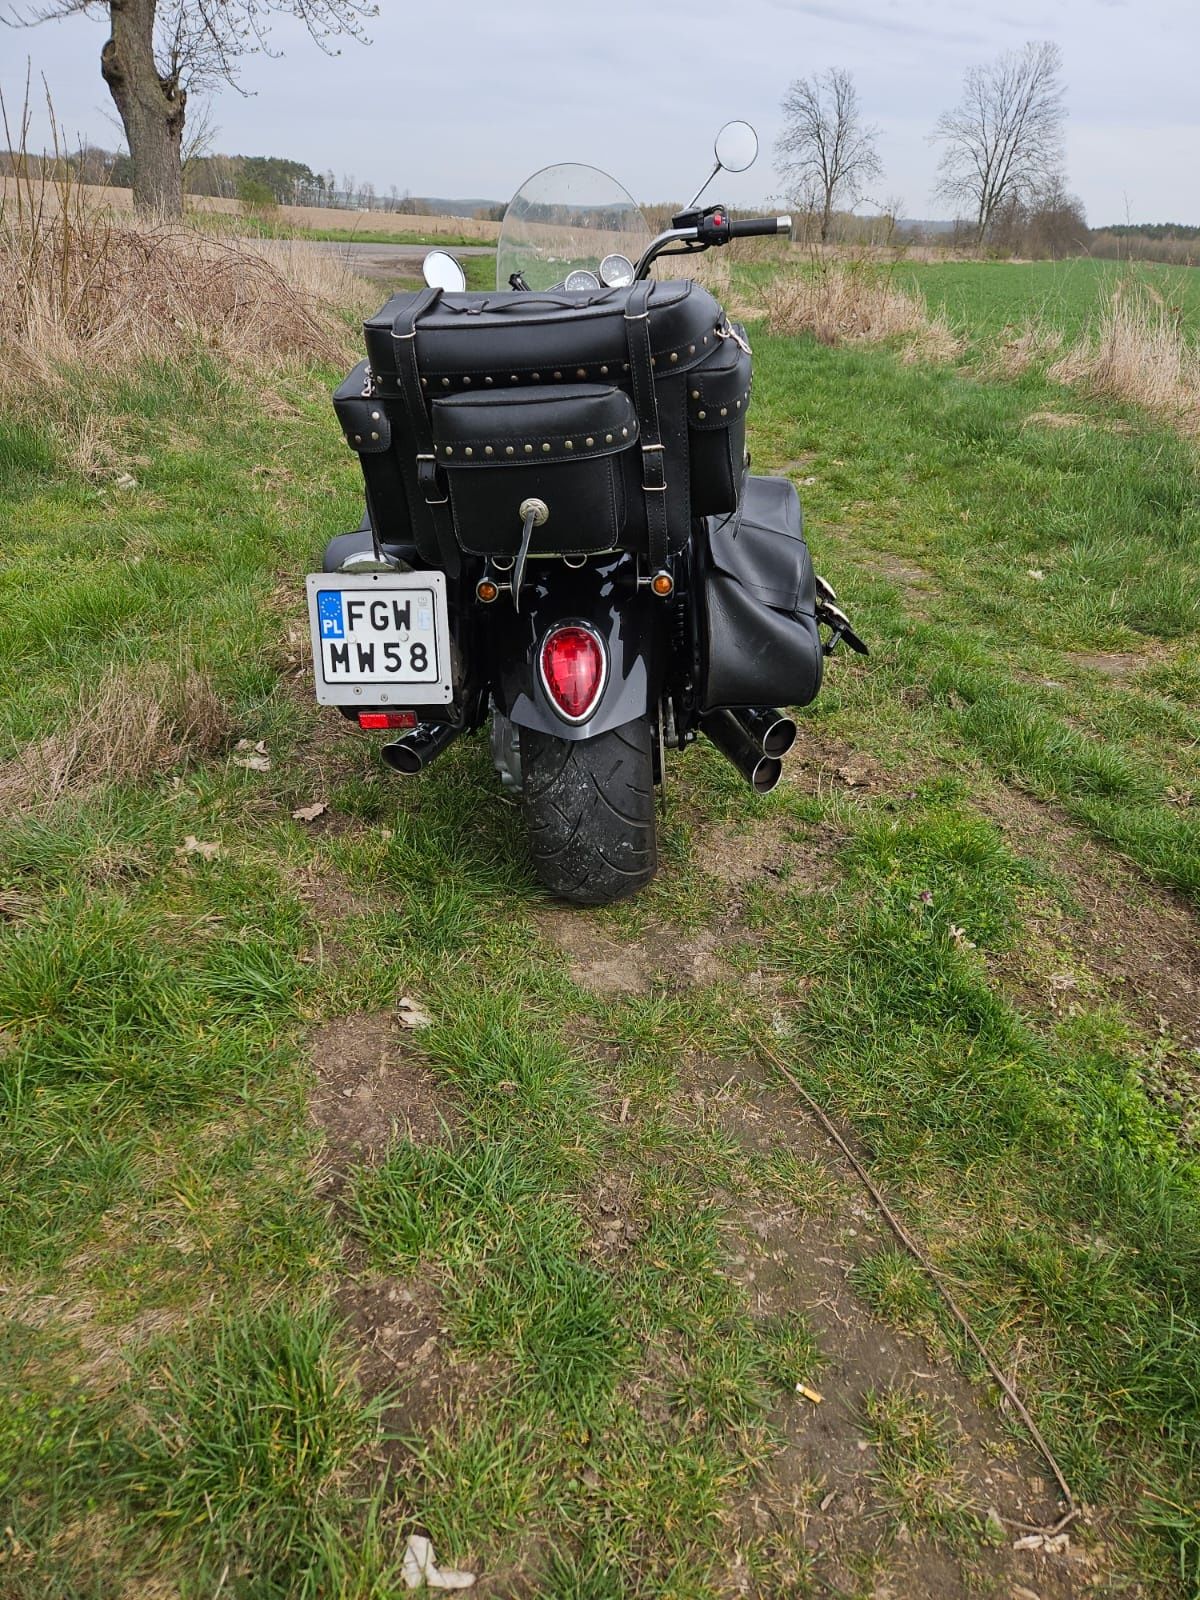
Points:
(108, 198)
(135, 724)
(111, 292)
(1139, 353)
(1032, 345)
(843, 302)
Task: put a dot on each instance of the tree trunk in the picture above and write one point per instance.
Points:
(151, 106)
(826, 219)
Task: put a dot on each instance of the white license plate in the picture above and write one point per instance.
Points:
(380, 638)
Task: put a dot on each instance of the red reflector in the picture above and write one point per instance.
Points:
(387, 719)
(573, 671)
(718, 220)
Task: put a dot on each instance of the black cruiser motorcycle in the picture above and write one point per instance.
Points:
(561, 530)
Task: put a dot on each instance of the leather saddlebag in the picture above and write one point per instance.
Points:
(573, 448)
(759, 640)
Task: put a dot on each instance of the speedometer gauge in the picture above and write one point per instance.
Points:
(616, 272)
(579, 279)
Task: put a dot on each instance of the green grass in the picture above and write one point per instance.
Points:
(181, 1400)
(984, 298)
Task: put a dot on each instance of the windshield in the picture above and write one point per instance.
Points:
(564, 219)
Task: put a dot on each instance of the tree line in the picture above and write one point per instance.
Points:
(1001, 165)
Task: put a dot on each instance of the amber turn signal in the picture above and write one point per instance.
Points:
(486, 591)
(663, 584)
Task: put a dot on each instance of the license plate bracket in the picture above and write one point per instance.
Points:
(380, 638)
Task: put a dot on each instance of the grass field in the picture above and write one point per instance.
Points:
(283, 1279)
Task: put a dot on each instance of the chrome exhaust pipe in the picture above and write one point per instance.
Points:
(738, 744)
(776, 734)
(419, 749)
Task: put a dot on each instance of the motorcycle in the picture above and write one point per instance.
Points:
(561, 531)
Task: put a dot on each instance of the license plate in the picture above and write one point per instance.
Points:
(380, 638)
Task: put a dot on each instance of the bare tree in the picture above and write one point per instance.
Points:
(160, 50)
(825, 150)
(1004, 140)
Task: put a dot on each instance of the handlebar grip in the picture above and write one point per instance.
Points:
(757, 225)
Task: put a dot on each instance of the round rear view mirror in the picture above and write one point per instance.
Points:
(442, 271)
(736, 147)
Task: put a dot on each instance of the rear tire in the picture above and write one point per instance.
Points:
(589, 810)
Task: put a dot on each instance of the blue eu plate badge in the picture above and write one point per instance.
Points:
(329, 611)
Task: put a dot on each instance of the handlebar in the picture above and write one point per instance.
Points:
(756, 225)
(713, 227)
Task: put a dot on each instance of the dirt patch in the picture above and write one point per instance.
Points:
(821, 1490)
(401, 1351)
(1115, 664)
(1141, 939)
(604, 964)
(371, 1089)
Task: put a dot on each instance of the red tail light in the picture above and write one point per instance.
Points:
(387, 719)
(574, 667)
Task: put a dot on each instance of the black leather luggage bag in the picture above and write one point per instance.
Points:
(759, 642)
(623, 410)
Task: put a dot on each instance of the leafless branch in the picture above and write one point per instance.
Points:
(1004, 139)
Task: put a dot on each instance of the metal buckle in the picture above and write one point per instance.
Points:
(728, 332)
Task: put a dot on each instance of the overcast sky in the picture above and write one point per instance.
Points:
(467, 99)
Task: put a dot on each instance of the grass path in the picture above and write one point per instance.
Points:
(250, 1338)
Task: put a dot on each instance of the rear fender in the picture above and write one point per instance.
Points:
(625, 615)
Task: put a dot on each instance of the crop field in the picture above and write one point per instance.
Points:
(352, 1188)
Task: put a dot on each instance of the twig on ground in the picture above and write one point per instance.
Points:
(914, 1249)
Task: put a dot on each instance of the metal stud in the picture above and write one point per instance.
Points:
(424, 383)
(558, 375)
(488, 382)
(724, 411)
(624, 433)
(374, 416)
(528, 449)
(466, 383)
(488, 451)
(691, 349)
(702, 415)
(513, 378)
(604, 372)
(674, 355)
(589, 442)
(536, 376)
(358, 438)
(569, 444)
(739, 405)
(374, 435)
(449, 450)
(445, 383)
(546, 447)
(508, 450)
(468, 451)
(608, 438)
(581, 372)
(695, 394)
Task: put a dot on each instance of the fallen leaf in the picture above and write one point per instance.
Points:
(254, 755)
(1035, 573)
(411, 1015)
(310, 813)
(192, 846)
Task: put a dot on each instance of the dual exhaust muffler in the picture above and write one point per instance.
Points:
(754, 740)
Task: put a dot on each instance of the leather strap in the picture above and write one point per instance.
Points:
(654, 465)
(429, 480)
